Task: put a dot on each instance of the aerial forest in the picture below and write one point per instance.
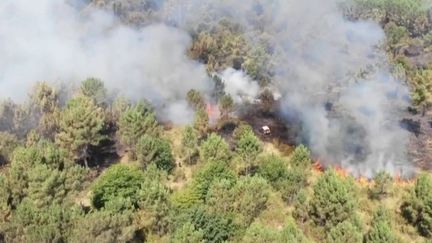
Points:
(191, 121)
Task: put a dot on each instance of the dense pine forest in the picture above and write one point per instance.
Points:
(216, 121)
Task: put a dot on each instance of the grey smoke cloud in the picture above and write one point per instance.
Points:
(334, 79)
(332, 76)
(51, 40)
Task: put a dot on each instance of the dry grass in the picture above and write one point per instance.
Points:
(276, 213)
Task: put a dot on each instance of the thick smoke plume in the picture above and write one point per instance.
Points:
(50, 40)
(334, 80)
(239, 85)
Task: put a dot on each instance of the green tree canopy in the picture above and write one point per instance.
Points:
(418, 208)
(214, 148)
(190, 139)
(195, 99)
(246, 198)
(201, 122)
(155, 150)
(382, 185)
(333, 200)
(8, 143)
(188, 233)
(210, 173)
(248, 146)
(381, 229)
(81, 126)
(301, 158)
(119, 181)
(273, 168)
(32, 224)
(105, 226)
(344, 232)
(95, 89)
(136, 121)
(226, 105)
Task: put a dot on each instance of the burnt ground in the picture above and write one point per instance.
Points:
(281, 133)
(278, 127)
(420, 146)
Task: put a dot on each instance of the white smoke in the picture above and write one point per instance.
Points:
(239, 85)
(332, 76)
(50, 40)
(334, 79)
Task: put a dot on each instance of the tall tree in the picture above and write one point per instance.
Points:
(201, 122)
(190, 144)
(44, 97)
(118, 182)
(344, 232)
(418, 208)
(95, 89)
(136, 121)
(215, 149)
(248, 146)
(8, 143)
(381, 230)
(226, 105)
(155, 150)
(333, 200)
(382, 185)
(301, 158)
(45, 101)
(195, 99)
(81, 126)
(246, 198)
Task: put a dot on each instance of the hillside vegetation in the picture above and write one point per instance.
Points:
(84, 165)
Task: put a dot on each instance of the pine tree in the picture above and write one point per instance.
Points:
(248, 147)
(154, 150)
(381, 230)
(201, 122)
(333, 200)
(300, 158)
(382, 185)
(418, 208)
(95, 89)
(226, 105)
(135, 122)
(8, 143)
(195, 99)
(215, 149)
(81, 126)
(344, 232)
(190, 144)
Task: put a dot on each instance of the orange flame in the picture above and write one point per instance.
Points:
(318, 167)
(212, 112)
(362, 180)
(403, 181)
(341, 171)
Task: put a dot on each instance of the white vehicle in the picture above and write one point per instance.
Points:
(265, 130)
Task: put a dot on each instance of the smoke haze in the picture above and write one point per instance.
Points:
(50, 40)
(332, 76)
